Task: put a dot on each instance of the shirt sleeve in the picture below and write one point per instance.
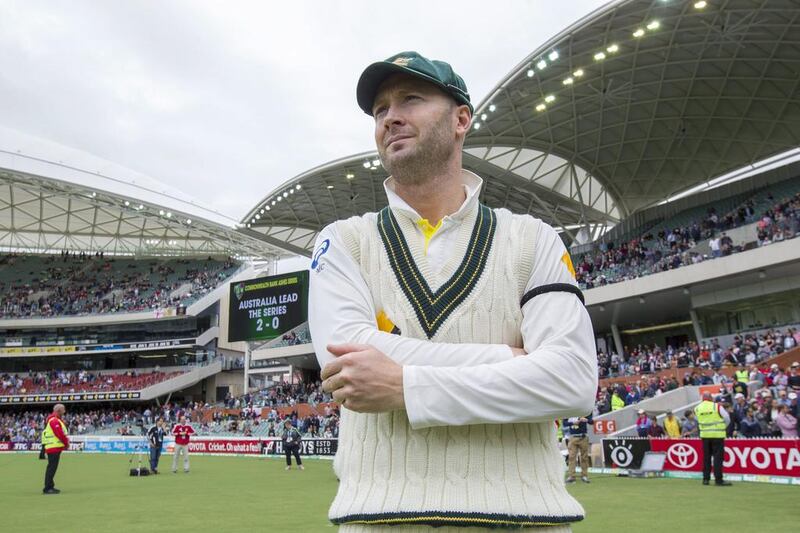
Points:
(724, 414)
(341, 310)
(556, 379)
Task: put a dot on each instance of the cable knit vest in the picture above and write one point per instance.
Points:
(493, 475)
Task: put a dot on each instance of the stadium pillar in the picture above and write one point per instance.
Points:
(698, 331)
(246, 369)
(617, 340)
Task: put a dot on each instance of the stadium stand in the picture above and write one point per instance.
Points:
(245, 417)
(57, 381)
(676, 241)
(78, 284)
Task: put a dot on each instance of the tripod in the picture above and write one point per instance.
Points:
(139, 470)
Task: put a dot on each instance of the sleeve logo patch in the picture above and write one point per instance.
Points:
(320, 252)
(568, 262)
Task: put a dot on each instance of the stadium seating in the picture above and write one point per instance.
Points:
(653, 249)
(76, 382)
(76, 284)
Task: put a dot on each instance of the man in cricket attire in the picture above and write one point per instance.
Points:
(452, 334)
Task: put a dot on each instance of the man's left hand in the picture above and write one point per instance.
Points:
(363, 379)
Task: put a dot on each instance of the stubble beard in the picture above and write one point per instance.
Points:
(427, 160)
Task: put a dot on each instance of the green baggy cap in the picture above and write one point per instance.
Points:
(436, 72)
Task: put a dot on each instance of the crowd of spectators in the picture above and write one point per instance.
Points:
(747, 349)
(81, 283)
(780, 222)
(254, 414)
(281, 395)
(667, 250)
(64, 381)
(773, 411)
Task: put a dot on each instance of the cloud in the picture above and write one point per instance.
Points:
(228, 100)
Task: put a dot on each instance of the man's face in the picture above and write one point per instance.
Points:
(417, 126)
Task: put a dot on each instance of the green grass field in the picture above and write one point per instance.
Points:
(232, 494)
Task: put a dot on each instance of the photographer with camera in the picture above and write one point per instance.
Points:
(155, 435)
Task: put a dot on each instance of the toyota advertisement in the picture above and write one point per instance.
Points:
(766, 457)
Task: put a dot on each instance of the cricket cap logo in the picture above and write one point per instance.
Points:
(238, 290)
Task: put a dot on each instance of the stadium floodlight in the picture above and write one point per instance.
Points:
(258, 217)
(549, 98)
(568, 81)
(267, 208)
(291, 191)
(492, 107)
(376, 162)
(700, 5)
(273, 202)
(189, 220)
(553, 55)
(599, 56)
(613, 49)
(484, 116)
(654, 25)
(541, 107)
(330, 186)
(127, 203)
(477, 125)
(161, 212)
(578, 73)
(297, 187)
(350, 175)
(638, 33)
(366, 164)
(94, 194)
(285, 194)
(262, 210)
(169, 215)
(141, 207)
(279, 198)
(530, 72)
(542, 64)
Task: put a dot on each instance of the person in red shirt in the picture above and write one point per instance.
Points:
(54, 441)
(182, 432)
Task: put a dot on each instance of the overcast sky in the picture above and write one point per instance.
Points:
(227, 100)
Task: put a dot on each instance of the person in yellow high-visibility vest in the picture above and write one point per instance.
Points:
(712, 419)
(617, 402)
(54, 441)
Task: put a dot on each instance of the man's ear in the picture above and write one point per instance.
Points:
(464, 119)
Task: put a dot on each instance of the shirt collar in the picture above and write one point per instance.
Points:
(471, 182)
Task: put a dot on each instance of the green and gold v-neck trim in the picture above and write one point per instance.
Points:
(433, 308)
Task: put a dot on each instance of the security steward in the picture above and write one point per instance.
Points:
(54, 441)
(291, 444)
(742, 378)
(712, 420)
(578, 444)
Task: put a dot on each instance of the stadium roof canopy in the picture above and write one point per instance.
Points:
(632, 105)
(55, 198)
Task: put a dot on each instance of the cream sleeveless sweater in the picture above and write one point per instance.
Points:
(492, 475)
